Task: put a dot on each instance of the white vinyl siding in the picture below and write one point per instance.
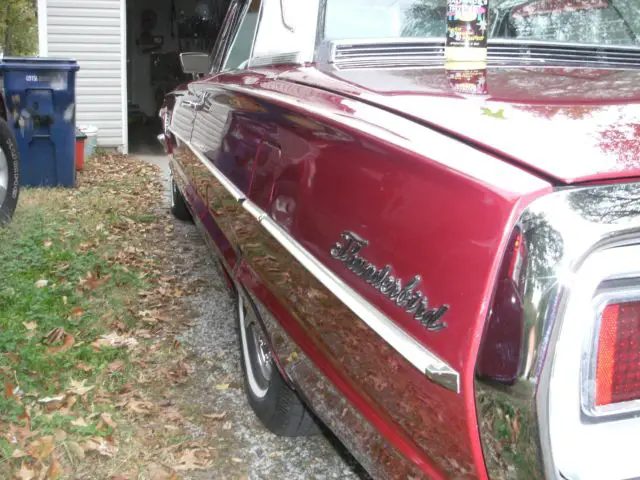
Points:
(91, 32)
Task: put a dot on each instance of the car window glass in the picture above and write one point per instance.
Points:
(604, 22)
(242, 45)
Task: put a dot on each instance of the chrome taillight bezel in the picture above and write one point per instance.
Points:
(578, 239)
(583, 446)
(611, 291)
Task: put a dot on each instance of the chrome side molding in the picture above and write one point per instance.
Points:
(427, 362)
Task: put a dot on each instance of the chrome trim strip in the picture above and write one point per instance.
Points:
(235, 192)
(356, 53)
(417, 354)
(413, 351)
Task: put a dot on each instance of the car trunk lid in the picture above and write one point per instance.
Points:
(570, 125)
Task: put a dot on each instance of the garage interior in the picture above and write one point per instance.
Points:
(157, 32)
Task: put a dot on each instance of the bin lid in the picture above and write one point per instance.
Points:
(37, 63)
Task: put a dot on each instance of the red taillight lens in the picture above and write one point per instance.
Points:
(500, 355)
(618, 357)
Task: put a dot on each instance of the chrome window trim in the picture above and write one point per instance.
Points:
(613, 411)
(427, 362)
(243, 16)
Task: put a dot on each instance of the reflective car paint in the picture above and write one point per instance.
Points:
(571, 125)
(330, 164)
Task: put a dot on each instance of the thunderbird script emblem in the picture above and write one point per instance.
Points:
(407, 297)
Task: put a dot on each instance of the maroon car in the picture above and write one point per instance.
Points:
(441, 264)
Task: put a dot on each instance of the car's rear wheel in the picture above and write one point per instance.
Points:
(9, 173)
(179, 207)
(274, 402)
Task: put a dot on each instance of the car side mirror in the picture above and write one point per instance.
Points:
(195, 63)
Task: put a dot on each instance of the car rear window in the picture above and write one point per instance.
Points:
(602, 22)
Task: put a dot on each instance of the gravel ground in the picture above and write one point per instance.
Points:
(245, 449)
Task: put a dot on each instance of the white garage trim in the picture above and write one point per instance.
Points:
(123, 73)
(42, 28)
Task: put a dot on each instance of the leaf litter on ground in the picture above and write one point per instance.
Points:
(94, 308)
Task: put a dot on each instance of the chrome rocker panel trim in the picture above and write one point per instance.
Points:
(413, 351)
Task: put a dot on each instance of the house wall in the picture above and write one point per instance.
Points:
(93, 32)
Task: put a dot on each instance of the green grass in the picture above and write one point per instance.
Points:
(71, 239)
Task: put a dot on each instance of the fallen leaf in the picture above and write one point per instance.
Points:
(114, 340)
(216, 416)
(9, 389)
(54, 471)
(47, 244)
(106, 418)
(76, 312)
(78, 388)
(222, 386)
(41, 448)
(190, 461)
(128, 475)
(54, 336)
(137, 406)
(42, 283)
(99, 445)
(30, 325)
(69, 340)
(116, 366)
(60, 435)
(17, 453)
(25, 474)
(236, 460)
(159, 472)
(26, 416)
(84, 367)
(79, 422)
(76, 450)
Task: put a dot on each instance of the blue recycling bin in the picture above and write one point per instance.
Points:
(40, 98)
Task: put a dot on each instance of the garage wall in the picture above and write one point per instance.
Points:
(93, 32)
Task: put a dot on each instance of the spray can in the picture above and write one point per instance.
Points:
(467, 24)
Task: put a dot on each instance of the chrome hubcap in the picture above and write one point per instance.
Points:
(262, 351)
(4, 177)
(255, 350)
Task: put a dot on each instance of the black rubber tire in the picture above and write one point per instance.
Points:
(280, 410)
(9, 147)
(179, 207)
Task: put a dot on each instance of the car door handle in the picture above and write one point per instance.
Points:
(199, 105)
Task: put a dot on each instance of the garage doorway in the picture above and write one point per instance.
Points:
(157, 32)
